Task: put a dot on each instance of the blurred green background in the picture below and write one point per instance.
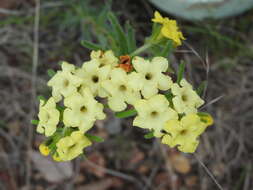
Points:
(219, 51)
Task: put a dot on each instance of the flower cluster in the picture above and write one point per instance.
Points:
(168, 109)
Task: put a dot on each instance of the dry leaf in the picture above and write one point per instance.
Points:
(180, 163)
(52, 171)
(143, 169)
(162, 178)
(137, 156)
(97, 159)
(191, 181)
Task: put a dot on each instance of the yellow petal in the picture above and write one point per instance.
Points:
(158, 18)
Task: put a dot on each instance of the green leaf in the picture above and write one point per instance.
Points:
(119, 32)
(169, 95)
(180, 72)
(94, 138)
(60, 108)
(156, 29)
(51, 72)
(201, 88)
(125, 114)
(149, 135)
(203, 114)
(167, 49)
(91, 45)
(35, 122)
(40, 97)
(131, 41)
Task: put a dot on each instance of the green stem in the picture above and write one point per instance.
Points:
(141, 49)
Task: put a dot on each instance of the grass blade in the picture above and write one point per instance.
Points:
(94, 138)
(125, 114)
(180, 72)
(90, 45)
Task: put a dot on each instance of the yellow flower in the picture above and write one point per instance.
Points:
(119, 91)
(64, 82)
(48, 117)
(169, 29)
(153, 113)
(149, 76)
(44, 150)
(72, 146)
(93, 75)
(56, 157)
(186, 100)
(105, 58)
(82, 110)
(184, 133)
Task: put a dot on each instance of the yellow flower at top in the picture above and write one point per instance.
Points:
(48, 117)
(149, 77)
(169, 28)
(64, 82)
(44, 150)
(105, 58)
(185, 99)
(70, 147)
(82, 110)
(119, 91)
(153, 113)
(184, 133)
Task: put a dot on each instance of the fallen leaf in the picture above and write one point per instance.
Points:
(180, 163)
(137, 156)
(52, 171)
(97, 159)
(143, 169)
(162, 178)
(191, 181)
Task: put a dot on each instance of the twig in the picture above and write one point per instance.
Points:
(33, 89)
(212, 102)
(208, 172)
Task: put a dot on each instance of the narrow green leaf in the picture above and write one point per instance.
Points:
(125, 114)
(180, 72)
(120, 34)
(203, 114)
(94, 138)
(51, 72)
(40, 97)
(35, 122)
(149, 135)
(167, 49)
(90, 45)
(131, 41)
(60, 108)
(201, 88)
(169, 95)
